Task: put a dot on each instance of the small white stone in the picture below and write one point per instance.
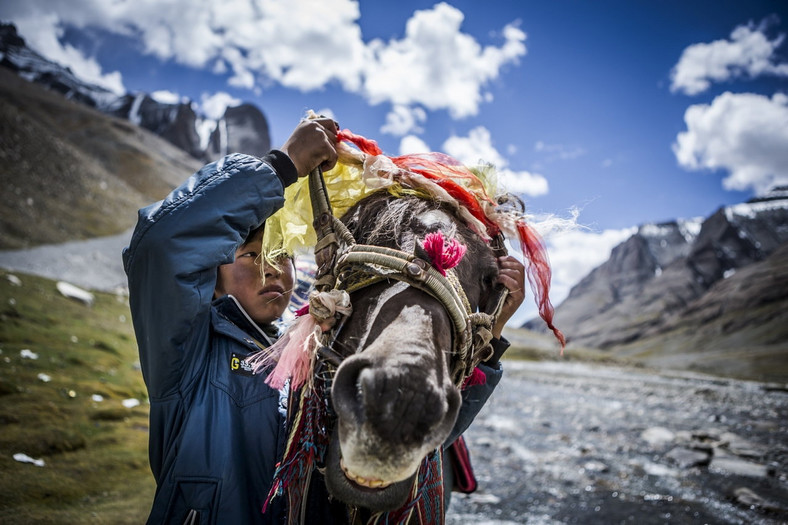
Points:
(24, 458)
(656, 436)
(75, 292)
(26, 353)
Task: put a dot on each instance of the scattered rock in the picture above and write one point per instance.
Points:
(655, 469)
(596, 466)
(24, 458)
(736, 466)
(26, 353)
(687, 458)
(75, 292)
(657, 436)
(488, 499)
(741, 447)
(747, 498)
(13, 279)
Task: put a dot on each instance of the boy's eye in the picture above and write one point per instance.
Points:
(253, 255)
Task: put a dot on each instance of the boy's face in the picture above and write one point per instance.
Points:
(263, 301)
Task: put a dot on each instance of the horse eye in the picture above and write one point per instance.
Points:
(490, 276)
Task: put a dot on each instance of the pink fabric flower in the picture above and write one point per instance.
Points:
(443, 256)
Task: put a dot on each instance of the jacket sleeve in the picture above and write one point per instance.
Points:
(175, 249)
(474, 397)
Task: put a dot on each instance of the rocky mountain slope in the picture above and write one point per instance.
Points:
(712, 294)
(71, 172)
(243, 128)
(77, 160)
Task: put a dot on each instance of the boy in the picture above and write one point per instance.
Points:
(199, 307)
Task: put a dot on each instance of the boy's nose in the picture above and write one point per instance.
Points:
(271, 271)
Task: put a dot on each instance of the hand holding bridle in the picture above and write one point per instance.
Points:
(312, 144)
(512, 276)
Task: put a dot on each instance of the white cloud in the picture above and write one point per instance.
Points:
(556, 152)
(436, 65)
(412, 144)
(477, 148)
(744, 134)
(474, 149)
(575, 253)
(402, 120)
(523, 182)
(301, 44)
(748, 52)
(166, 97)
(214, 105)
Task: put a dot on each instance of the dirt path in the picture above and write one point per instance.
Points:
(576, 443)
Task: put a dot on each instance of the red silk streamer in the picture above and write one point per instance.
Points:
(539, 274)
(370, 147)
(437, 167)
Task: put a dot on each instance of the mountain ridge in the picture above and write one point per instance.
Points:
(725, 277)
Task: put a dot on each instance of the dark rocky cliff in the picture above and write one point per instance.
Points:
(243, 129)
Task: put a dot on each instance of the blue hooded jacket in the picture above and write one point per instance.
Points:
(216, 431)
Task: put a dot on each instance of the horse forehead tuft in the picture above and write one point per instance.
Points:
(438, 220)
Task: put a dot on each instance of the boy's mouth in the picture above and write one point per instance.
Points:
(273, 290)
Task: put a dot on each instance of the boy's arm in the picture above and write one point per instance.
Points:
(176, 247)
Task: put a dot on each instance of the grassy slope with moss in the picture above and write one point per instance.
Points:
(95, 452)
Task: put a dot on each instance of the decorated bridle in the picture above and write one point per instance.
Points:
(346, 266)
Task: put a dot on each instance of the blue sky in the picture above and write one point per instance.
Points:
(628, 111)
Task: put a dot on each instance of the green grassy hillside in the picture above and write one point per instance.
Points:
(65, 407)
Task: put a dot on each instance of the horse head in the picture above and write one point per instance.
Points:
(394, 394)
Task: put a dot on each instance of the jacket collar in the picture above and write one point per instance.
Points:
(229, 308)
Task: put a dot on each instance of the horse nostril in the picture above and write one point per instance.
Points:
(346, 390)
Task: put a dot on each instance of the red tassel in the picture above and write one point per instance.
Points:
(302, 311)
(444, 257)
(477, 377)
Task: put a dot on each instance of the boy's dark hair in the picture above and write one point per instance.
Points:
(253, 232)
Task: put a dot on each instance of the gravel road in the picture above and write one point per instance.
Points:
(563, 442)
